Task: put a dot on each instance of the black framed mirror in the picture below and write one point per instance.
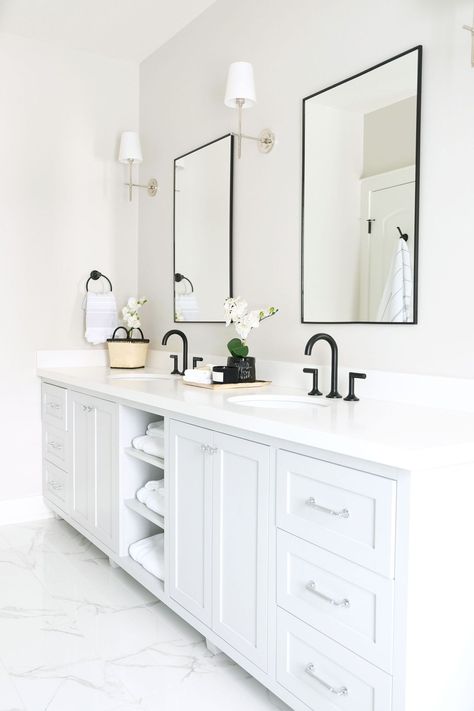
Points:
(202, 232)
(360, 196)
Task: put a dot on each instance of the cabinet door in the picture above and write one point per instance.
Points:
(94, 456)
(241, 478)
(189, 519)
(82, 441)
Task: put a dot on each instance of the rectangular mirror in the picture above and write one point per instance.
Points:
(361, 143)
(203, 183)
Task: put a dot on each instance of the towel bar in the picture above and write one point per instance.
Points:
(94, 275)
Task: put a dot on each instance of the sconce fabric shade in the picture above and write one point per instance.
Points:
(130, 148)
(240, 85)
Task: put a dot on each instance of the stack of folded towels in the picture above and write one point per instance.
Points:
(153, 442)
(149, 552)
(153, 496)
(202, 375)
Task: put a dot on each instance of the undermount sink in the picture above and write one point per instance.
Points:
(138, 375)
(279, 402)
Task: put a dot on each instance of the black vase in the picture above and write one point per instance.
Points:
(245, 366)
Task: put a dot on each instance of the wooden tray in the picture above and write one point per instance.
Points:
(229, 386)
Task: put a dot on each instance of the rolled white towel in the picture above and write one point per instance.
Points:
(150, 445)
(149, 552)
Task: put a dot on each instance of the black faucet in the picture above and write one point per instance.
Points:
(334, 357)
(176, 332)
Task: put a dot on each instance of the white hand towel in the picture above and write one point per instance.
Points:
(101, 316)
(159, 425)
(201, 375)
(149, 488)
(396, 303)
(156, 429)
(150, 445)
(155, 501)
(149, 552)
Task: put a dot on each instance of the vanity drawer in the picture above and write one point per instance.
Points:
(55, 446)
(55, 484)
(346, 511)
(54, 402)
(348, 603)
(324, 675)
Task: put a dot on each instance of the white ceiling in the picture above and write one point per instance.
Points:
(123, 29)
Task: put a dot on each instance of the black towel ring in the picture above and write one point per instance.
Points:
(403, 235)
(94, 275)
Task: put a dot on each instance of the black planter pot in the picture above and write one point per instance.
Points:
(246, 368)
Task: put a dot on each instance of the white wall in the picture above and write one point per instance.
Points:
(298, 48)
(63, 212)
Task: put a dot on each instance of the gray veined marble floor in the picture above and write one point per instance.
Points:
(76, 635)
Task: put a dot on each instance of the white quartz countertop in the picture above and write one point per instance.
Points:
(398, 435)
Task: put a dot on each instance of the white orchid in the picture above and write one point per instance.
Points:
(130, 315)
(235, 310)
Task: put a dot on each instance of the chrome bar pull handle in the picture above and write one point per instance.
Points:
(343, 513)
(55, 445)
(311, 586)
(54, 405)
(341, 691)
(213, 450)
(87, 408)
(204, 448)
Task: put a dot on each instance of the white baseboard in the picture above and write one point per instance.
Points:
(32, 508)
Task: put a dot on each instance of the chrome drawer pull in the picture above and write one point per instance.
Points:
(311, 586)
(207, 449)
(343, 513)
(54, 405)
(87, 408)
(342, 691)
(55, 485)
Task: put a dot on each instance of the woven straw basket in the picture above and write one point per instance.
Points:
(127, 352)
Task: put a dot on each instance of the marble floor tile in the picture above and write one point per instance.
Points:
(78, 635)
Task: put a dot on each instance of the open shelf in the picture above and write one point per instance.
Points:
(137, 571)
(149, 458)
(144, 511)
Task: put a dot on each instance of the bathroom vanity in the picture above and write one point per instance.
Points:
(323, 547)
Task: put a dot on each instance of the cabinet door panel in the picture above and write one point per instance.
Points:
(241, 473)
(104, 472)
(82, 450)
(190, 519)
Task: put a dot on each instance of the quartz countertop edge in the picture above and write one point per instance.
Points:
(397, 435)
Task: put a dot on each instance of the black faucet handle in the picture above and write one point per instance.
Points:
(351, 397)
(314, 390)
(196, 360)
(175, 370)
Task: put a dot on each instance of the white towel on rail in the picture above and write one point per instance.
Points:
(101, 316)
(396, 304)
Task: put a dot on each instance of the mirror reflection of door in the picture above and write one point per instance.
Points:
(203, 232)
(360, 193)
(387, 203)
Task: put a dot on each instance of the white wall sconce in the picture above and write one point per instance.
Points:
(130, 153)
(240, 94)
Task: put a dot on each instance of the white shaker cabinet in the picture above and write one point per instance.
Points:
(94, 465)
(190, 519)
(219, 517)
